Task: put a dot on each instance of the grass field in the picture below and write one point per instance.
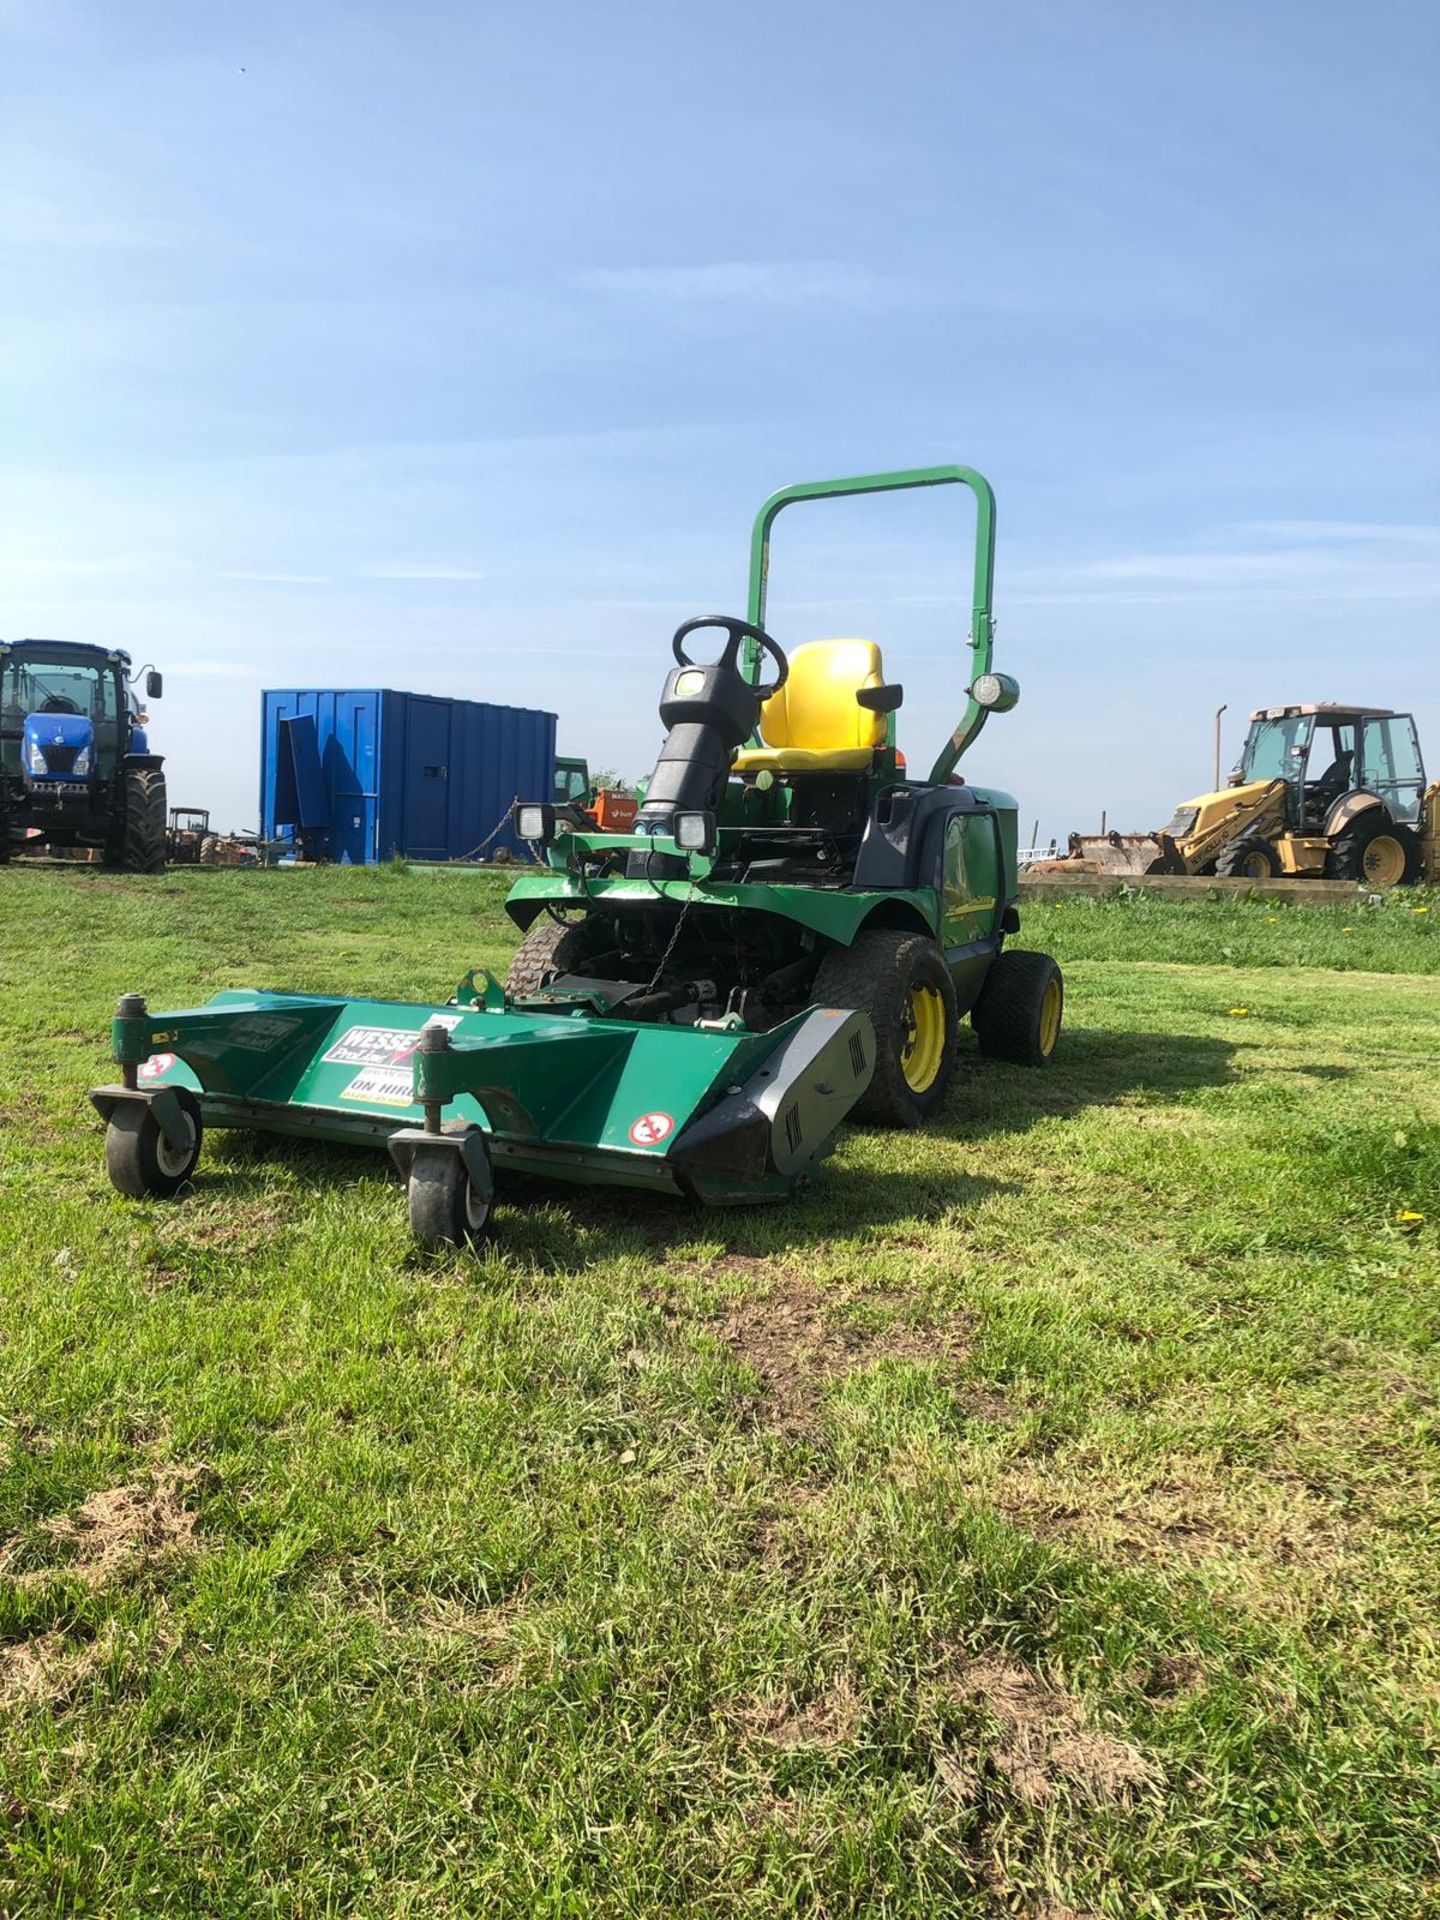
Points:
(1039, 1518)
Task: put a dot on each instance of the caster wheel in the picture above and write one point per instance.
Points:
(141, 1162)
(448, 1207)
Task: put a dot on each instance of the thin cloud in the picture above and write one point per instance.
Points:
(276, 579)
(421, 570)
(771, 283)
(1377, 532)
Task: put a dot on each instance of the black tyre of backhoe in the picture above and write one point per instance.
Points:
(1248, 859)
(1020, 1009)
(137, 839)
(902, 982)
(1376, 852)
(550, 949)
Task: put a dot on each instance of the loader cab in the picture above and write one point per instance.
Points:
(1324, 752)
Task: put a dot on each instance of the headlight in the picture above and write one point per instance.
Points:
(996, 692)
(36, 756)
(695, 832)
(535, 823)
(82, 763)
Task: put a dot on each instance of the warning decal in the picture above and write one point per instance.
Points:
(382, 1046)
(157, 1064)
(651, 1128)
(390, 1086)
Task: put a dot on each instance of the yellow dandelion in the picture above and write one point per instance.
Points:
(1239, 1013)
(1407, 1217)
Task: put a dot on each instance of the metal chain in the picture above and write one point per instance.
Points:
(670, 946)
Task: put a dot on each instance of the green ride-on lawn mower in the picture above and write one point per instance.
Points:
(792, 933)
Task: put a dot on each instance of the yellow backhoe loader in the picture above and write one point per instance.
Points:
(1320, 790)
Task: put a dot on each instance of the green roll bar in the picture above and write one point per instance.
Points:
(982, 625)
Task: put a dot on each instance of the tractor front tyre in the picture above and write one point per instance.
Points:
(1248, 860)
(209, 855)
(447, 1207)
(137, 841)
(551, 948)
(1020, 1010)
(141, 1162)
(1376, 853)
(902, 982)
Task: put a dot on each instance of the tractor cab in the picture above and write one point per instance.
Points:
(1327, 752)
(75, 763)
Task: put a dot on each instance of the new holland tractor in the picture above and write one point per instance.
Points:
(1323, 790)
(791, 932)
(76, 768)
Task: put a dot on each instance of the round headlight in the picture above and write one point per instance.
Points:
(996, 692)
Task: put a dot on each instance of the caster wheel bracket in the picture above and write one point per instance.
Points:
(163, 1102)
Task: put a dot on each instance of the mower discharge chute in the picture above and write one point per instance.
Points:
(791, 933)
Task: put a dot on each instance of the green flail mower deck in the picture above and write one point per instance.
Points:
(564, 1089)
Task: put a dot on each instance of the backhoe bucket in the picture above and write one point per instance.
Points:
(1114, 854)
(565, 1089)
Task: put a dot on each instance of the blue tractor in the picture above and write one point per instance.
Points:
(76, 768)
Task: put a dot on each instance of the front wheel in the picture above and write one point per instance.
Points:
(902, 982)
(1021, 1009)
(448, 1206)
(137, 836)
(1248, 860)
(141, 1162)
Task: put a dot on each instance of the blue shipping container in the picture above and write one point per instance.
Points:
(357, 776)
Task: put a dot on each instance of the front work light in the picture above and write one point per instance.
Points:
(996, 692)
(695, 832)
(535, 824)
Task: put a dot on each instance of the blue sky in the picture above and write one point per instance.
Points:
(453, 346)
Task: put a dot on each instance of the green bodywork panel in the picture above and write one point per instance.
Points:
(835, 913)
(558, 1093)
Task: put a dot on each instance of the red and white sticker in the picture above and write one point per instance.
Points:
(651, 1128)
(157, 1064)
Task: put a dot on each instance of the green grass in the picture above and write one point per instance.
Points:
(1038, 1518)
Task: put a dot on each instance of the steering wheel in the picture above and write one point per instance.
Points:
(737, 631)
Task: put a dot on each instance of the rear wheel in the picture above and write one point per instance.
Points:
(139, 1159)
(549, 949)
(1377, 853)
(137, 839)
(902, 982)
(210, 850)
(1248, 860)
(1021, 1009)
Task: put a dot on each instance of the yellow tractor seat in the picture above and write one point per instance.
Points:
(815, 722)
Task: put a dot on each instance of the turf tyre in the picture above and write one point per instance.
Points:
(139, 1159)
(881, 973)
(1020, 1009)
(549, 949)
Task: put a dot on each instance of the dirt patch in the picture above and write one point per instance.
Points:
(47, 1670)
(796, 1349)
(1042, 1742)
(829, 1719)
(120, 1529)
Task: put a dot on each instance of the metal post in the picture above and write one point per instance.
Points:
(433, 1039)
(130, 1006)
(1218, 711)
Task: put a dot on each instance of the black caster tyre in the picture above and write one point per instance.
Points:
(448, 1208)
(1020, 1010)
(140, 1161)
(902, 982)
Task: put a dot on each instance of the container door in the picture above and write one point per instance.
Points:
(427, 777)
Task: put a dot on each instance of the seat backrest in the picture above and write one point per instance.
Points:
(816, 708)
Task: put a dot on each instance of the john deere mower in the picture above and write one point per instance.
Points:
(791, 933)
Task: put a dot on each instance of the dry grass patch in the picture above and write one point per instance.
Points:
(120, 1529)
(828, 1719)
(1041, 1741)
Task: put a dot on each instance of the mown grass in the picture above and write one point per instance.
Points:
(1038, 1518)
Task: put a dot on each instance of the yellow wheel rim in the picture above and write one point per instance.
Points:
(922, 1050)
(1050, 1019)
(1255, 867)
(1384, 861)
